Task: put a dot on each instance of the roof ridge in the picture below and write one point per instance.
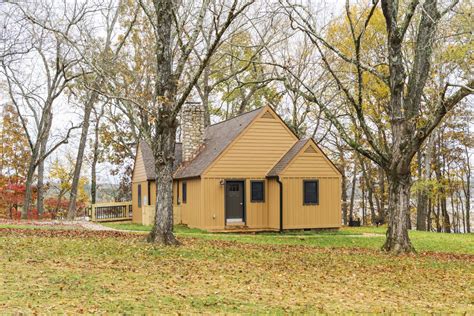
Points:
(239, 115)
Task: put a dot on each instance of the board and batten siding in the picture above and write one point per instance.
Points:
(311, 164)
(327, 214)
(255, 151)
(213, 209)
(191, 210)
(249, 157)
(273, 204)
(137, 211)
(139, 173)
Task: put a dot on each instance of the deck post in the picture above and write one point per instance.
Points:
(93, 213)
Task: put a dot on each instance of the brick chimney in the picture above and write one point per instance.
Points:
(192, 128)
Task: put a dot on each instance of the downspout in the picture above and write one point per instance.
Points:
(149, 193)
(280, 184)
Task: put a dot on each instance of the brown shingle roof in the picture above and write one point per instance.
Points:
(148, 159)
(216, 138)
(286, 159)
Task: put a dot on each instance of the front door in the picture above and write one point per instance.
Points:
(234, 201)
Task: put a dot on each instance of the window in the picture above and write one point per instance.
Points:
(139, 195)
(310, 192)
(185, 192)
(258, 191)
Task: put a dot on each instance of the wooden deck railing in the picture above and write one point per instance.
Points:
(109, 212)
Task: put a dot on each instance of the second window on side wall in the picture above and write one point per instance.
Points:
(310, 192)
(257, 191)
(185, 192)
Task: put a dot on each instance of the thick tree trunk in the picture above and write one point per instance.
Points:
(40, 188)
(29, 185)
(163, 151)
(399, 206)
(71, 213)
(95, 158)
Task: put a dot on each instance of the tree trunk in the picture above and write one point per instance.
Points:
(354, 179)
(421, 198)
(343, 184)
(381, 210)
(437, 215)
(29, 185)
(40, 186)
(430, 211)
(71, 213)
(163, 151)
(467, 190)
(370, 191)
(399, 206)
(444, 213)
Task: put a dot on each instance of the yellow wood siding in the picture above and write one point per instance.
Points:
(255, 152)
(213, 204)
(139, 168)
(137, 211)
(325, 215)
(273, 204)
(310, 163)
(256, 212)
(213, 210)
(152, 193)
(191, 210)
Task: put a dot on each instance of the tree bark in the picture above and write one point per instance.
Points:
(95, 158)
(467, 190)
(343, 184)
(399, 205)
(71, 213)
(163, 148)
(354, 180)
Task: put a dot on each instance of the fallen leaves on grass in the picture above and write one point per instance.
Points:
(111, 272)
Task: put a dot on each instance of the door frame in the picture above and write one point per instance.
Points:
(244, 205)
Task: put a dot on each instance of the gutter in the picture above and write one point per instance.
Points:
(280, 184)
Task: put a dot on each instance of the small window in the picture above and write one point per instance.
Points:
(139, 195)
(310, 192)
(185, 192)
(258, 191)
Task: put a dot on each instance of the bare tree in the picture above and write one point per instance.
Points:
(156, 118)
(410, 120)
(54, 65)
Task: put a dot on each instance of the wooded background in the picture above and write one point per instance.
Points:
(383, 88)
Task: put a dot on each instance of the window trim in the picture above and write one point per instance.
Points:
(263, 191)
(184, 192)
(139, 191)
(317, 191)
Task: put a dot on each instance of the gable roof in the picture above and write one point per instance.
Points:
(149, 161)
(216, 139)
(287, 158)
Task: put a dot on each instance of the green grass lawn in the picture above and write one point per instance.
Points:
(358, 237)
(52, 271)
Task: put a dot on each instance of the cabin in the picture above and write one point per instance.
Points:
(250, 172)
